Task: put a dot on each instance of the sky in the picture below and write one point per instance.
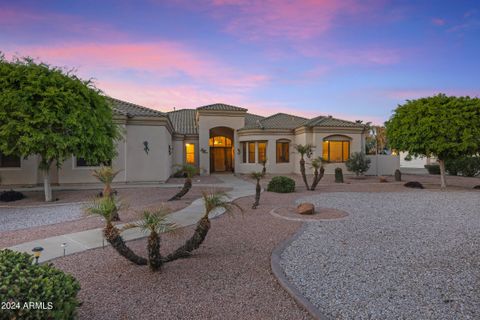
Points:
(355, 60)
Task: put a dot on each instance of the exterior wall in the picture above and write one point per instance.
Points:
(419, 162)
(25, 175)
(208, 121)
(387, 164)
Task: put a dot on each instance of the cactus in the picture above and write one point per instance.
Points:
(338, 175)
(398, 175)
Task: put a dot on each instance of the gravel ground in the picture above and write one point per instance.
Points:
(409, 255)
(229, 277)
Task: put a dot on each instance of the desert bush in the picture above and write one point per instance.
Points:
(414, 185)
(281, 184)
(358, 163)
(465, 166)
(8, 196)
(22, 282)
(338, 175)
(433, 168)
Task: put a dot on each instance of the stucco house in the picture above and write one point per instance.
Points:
(215, 138)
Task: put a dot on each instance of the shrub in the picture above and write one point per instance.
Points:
(8, 196)
(414, 185)
(281, 184)
(477, 187)
(338, 175)
(466, 166)
(22, 282)
(358, 163)
(398, 175)
(433, 168)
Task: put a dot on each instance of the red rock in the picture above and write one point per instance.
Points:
(306, 208)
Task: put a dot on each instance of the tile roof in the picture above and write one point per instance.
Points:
(133, 110)
(323, 121)
(221, 107)
(184, 121)
(277, 121)
(252, 120)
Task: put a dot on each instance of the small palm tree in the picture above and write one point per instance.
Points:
(189, 171)
(156, 223)
(106, 175)
(264, 166)
(212, 200)
(258, 189)
(106, 207)
(319, 171)
(304, 150)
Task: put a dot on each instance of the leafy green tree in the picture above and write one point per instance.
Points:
(440, 126)
(50, 112)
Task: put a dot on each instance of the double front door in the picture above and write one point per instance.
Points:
(221, 159)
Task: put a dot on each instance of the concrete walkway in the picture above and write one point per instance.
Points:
(91, 239)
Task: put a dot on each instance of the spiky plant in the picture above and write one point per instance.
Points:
(106, 207)
(189, 171)
(258, 189)
(155, 222)
(106, 175)
(304, 150)
(319, 171)
(212, 200)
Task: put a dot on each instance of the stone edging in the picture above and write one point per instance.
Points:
(283, 281)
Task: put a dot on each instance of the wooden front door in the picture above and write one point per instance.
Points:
(221, 159)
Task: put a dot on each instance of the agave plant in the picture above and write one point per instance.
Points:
(212, 200)
(106, 175)
(304, 150)
(189, 171)
(319, 171)
(155, 222)
(106, 207)
(258, 189)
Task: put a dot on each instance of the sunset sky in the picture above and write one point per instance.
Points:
(350, 59)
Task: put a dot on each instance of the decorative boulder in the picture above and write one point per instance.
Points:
(306, 208)
(382, 179)
(414, 184)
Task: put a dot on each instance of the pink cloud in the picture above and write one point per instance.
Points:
(438, 21)
(160, 59)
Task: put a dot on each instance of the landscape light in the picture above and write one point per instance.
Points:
(37, 251)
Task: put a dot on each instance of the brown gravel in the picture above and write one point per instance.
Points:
(229, 277)
(135, 198)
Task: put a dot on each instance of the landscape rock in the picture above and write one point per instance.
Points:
(306, 208)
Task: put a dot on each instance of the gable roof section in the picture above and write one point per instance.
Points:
(323, 121)
(221, 107)
(133, 110)
(252, 120)
(277, 121)
(184, 121)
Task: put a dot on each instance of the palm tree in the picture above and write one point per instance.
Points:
(304, 150)
(257, 176)
(189, 171)
(319, 171)
(106, 207)
(106, 175)
(264, 166)
(212, 200)
(156, 223)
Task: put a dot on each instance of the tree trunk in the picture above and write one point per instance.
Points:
(203, 225)
(317, 178)
(302, 171)
(113, 237)
(258, 190)
(47, 187)
(154, 257)
(186, 187)
(442, 174)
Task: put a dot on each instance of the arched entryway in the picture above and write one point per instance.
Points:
(222, 157)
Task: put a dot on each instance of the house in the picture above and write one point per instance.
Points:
(215, 138)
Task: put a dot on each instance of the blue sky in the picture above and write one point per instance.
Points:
(350, 59)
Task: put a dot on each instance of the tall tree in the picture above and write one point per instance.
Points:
(440, 126)
(50, 112)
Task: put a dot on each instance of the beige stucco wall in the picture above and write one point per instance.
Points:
(25, 175)
(387, 164)
(208, 121)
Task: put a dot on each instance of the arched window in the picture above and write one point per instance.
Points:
(336, 148)
(220, 141)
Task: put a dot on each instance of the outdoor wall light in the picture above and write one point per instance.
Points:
(145, 147)
(64, 246)
(203, 150)
(169, 150)
(37, 251)
(238, 150)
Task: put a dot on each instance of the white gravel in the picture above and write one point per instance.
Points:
(409, 255)
(26, 217)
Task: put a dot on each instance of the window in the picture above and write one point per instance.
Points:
(251, 152)
(336, 151)
(9, 161)
(283, 151)
(190, 153)
(220, 142)
(262, 152)
(244, 152)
